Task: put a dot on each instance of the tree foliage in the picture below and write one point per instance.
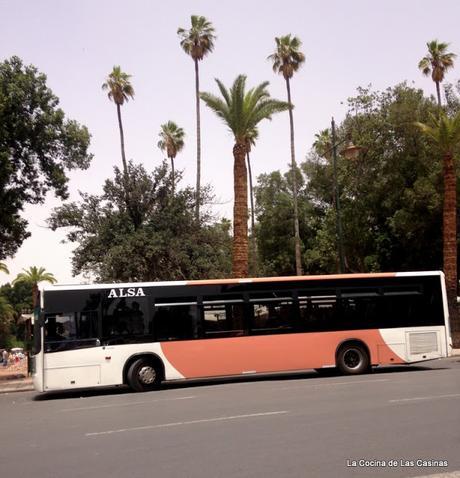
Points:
(391, 196)
(38, 145)
(168, 244)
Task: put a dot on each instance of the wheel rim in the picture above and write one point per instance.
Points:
(147, 375)
(352, 358)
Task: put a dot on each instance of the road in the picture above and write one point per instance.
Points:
(300, 425)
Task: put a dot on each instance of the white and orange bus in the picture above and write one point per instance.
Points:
(141, 334)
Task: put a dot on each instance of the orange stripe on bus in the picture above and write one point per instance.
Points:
(291, 278)
(269, 353)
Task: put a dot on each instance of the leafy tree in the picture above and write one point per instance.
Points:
(6, 319)
(4, 268)
(242, 111)
(168, 245)
(197, 42)
(38, 145)
(274, 219)
(20, 298)
(445, 133)
(391, 195)
(437, 62)
(286, 60)
(171, 142)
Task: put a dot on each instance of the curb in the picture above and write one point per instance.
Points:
(25, 385)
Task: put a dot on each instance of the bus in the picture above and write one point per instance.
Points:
(141, 334)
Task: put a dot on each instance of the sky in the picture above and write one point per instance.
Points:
(347, 44)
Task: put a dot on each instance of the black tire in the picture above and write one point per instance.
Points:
(143, 375)
(353, 359)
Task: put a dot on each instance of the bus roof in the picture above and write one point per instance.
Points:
(56, 287)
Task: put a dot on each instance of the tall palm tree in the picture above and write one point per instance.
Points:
(286, 60)
(251, 141)
(171, 142)
(242, 111)
(4, 268)
(437, 62)
(119, 90)
(445, 133)
(197, 42)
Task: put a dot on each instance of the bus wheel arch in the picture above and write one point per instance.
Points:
(143, 372)
(353, 357)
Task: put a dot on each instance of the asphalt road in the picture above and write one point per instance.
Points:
(298, 425)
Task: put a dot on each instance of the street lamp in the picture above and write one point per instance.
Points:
(350, 152)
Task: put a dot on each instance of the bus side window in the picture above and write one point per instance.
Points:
(175, 322)
(224, 320)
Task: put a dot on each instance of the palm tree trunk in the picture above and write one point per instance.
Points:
(240, 212)
(172, 175)
(450, 244)
(122, 142)
(198, 142)
(254, 266)
(438, 92)
(127, 187)
(298, 261)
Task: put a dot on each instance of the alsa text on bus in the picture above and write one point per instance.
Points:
(130, 292)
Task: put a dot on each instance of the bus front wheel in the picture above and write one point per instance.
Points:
(353, 359)
(143, 375)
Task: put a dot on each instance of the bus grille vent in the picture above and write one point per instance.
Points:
(423, 342)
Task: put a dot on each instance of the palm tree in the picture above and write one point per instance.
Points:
(251, 141)
(197, 42)
(286, 60)
(437, 62)
(34, 276)
(323, 143)
(242, 111)
(445, 133)
(119, 90)
(171, 142)
(4, 268)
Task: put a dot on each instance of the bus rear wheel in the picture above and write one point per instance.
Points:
(143, 375)
(353, 359)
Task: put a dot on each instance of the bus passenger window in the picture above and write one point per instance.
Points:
(175, 322)
(224, 320)
(272, 317)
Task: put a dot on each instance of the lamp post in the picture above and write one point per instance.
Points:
(350, 152)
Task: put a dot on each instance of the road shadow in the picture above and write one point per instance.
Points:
(206, 382)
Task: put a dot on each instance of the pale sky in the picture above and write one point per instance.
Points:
(347, 44)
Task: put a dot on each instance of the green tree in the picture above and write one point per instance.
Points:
(4, 268)
(20, 298)
(197, 42)
(171, 142)
(391, 195)
(437, 61)
(38, 145)
(169, 244)
(241, 111)
(6, 319)
(286, 60)
(445, 133)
